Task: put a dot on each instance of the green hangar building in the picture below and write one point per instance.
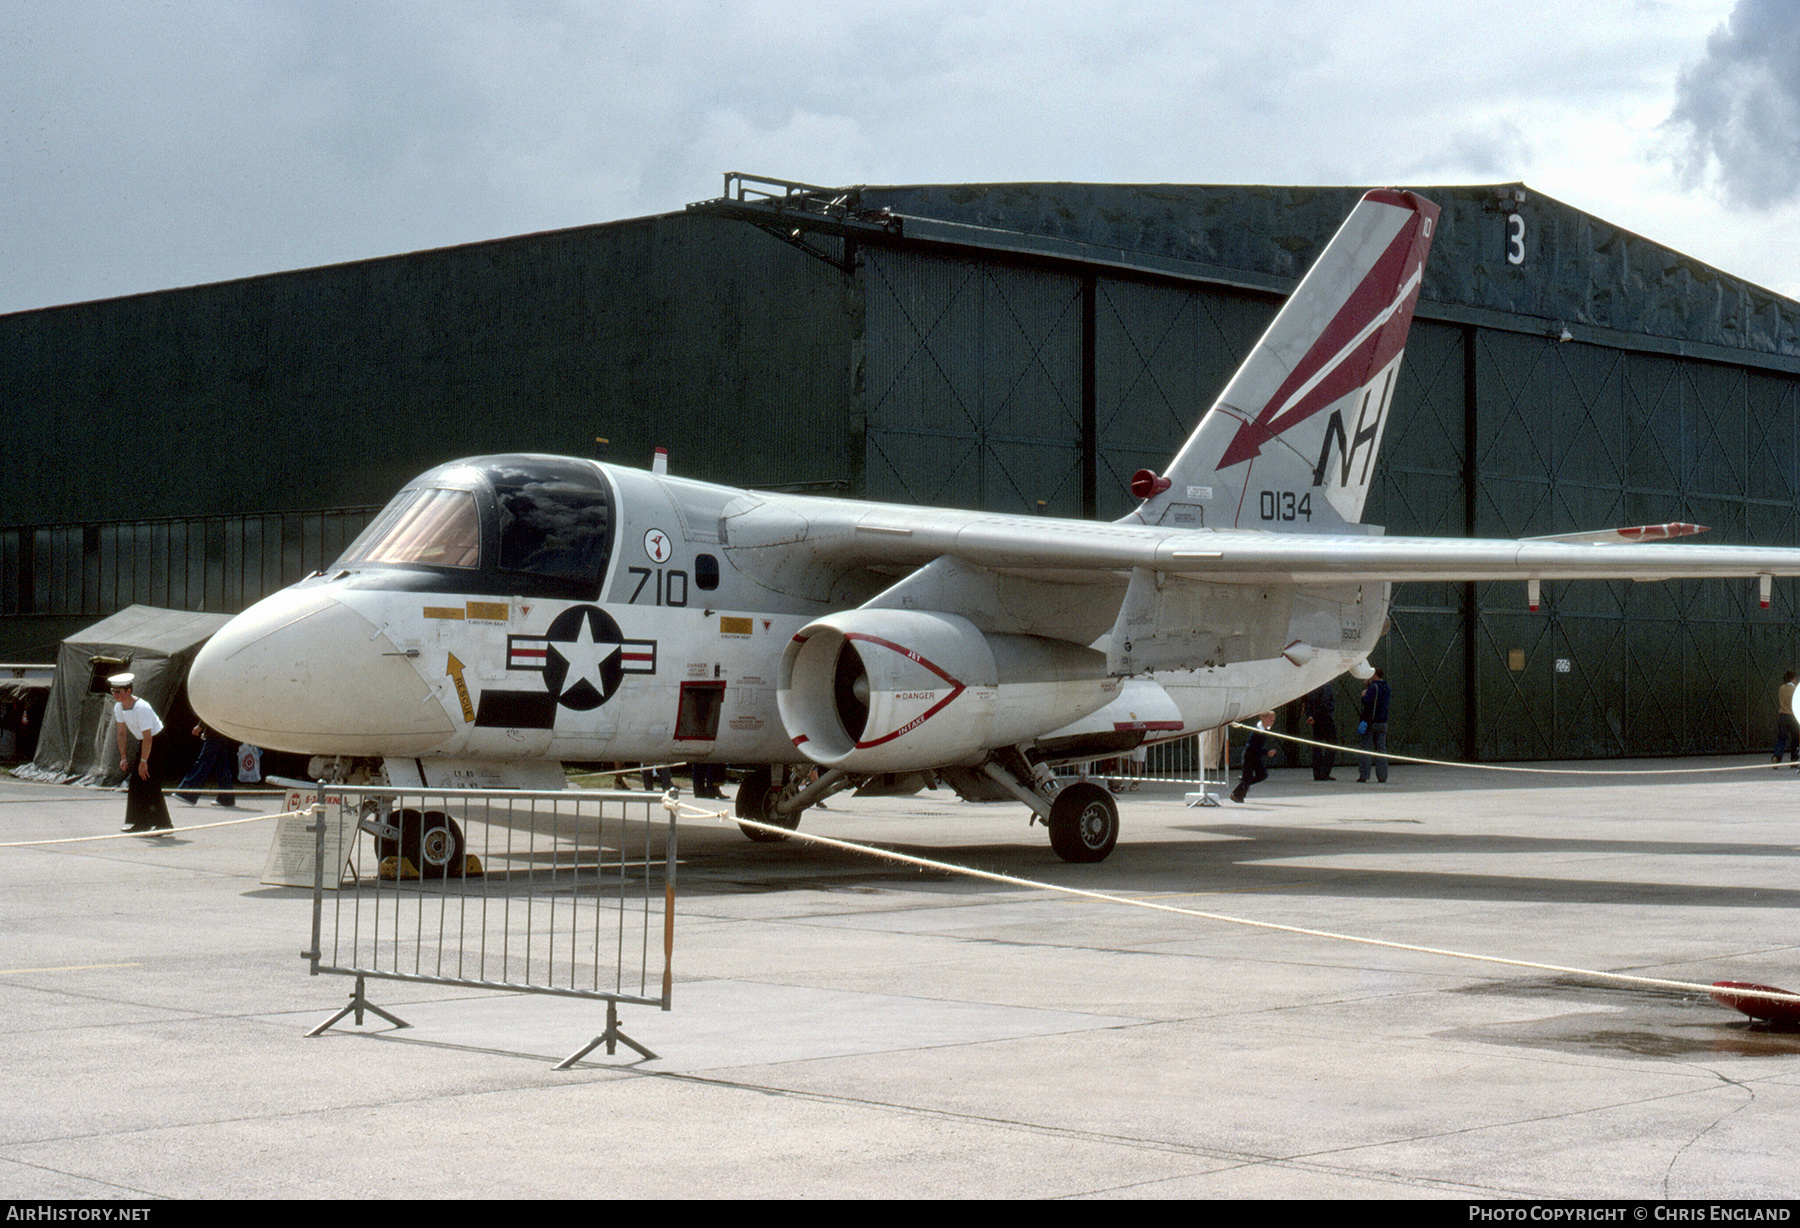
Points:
(1014, 347)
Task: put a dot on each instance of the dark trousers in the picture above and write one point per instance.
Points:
(1324, 729)
(217, 761)
(145, 805)
(1787, 735)
(1375, 740)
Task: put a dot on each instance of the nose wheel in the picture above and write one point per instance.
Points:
(1084, 822)
(431, 840)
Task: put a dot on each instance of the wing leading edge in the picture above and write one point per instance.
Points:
(908, 537)
(1245, 558)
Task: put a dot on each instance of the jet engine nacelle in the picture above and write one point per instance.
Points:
(883, 690)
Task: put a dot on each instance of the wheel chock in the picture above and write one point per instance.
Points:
(399, 868)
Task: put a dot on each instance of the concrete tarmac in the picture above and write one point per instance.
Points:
(845, 1027)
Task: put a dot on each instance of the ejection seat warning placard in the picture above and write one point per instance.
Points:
(292, 852)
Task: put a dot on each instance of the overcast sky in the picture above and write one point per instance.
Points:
(146, 144)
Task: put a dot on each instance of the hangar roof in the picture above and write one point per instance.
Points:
(1506, 256)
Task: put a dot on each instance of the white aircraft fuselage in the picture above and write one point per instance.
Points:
(678, 651)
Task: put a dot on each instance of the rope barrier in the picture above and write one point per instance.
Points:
(161, 831)
(1502, 767)
(1622, 978)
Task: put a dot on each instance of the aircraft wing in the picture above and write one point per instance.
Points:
(904, 537)
(1247, 558)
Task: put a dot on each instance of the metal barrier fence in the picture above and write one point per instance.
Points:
(568, 893)
(1197, 759)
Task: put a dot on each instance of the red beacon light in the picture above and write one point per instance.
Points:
(1144, 483)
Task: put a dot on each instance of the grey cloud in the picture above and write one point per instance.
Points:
(1496, 154)
(1739, 106)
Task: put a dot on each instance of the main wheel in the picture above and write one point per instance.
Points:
(756, 799)
(1084, 822)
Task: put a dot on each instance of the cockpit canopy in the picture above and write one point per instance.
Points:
(518, 525)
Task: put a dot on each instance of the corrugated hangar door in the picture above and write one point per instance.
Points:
(973, 380)
(1571, 436)
(1718, 443)
(1552, 455)
(1162, 355)
(972, 383)
(1419, 491)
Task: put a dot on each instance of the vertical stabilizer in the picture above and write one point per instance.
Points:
(1291, 443)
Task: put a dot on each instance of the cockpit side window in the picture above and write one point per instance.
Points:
(434, 526)
(554, 529)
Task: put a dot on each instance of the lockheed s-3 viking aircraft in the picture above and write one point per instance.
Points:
(517, 611)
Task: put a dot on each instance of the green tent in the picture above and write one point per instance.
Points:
(77, 744)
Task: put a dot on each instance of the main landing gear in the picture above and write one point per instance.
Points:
(1082, 817)
(1084, 822)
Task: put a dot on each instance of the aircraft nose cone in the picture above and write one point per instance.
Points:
(301, 671)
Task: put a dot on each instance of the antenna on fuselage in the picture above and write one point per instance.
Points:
(660, 462)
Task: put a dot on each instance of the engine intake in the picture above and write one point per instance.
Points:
(897, 690)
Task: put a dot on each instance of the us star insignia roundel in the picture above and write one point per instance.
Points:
(581, 657)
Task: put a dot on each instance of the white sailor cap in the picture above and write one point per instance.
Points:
(121, 682)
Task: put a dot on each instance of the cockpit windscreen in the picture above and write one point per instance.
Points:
(512, 524)
(434, 526)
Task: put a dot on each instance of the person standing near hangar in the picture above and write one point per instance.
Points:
(1787, 729)
(1320, 715)
(1372, 730)
(146, 810)
(215, 765)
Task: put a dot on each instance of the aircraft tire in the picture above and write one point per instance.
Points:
(432, 841)
(756, 799)
(1084, 822)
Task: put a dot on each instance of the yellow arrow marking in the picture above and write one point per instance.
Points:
(455, 669)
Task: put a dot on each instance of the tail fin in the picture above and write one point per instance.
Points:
(1291, 443)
